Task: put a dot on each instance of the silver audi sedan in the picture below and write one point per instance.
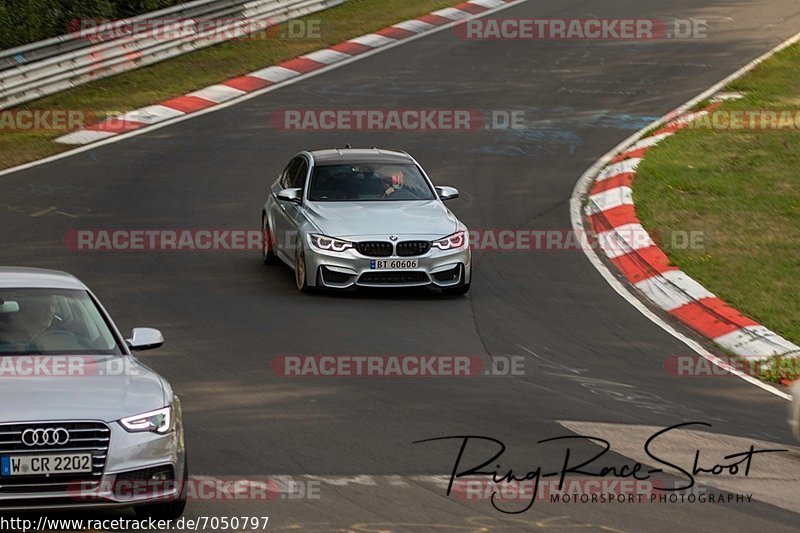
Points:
(83, 423)
(345, 218)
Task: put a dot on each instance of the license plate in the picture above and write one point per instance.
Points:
(33, 465)
(393, 264)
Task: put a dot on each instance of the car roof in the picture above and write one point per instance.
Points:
(372, 155)
(37, 278)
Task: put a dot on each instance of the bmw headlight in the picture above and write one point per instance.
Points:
(329, 244)
(158, 421)
(456, 240)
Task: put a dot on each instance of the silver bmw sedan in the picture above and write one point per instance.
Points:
(343, 218)
(82, 423)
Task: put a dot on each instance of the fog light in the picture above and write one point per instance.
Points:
(146, 483)
(164, 475)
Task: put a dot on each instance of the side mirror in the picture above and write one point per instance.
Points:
(290, 195)
(8, 307)
(447, 193)
(145, 339)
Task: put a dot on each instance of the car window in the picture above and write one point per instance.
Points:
(289, 172)
(368, 182)
(298, 179)
(53, 322)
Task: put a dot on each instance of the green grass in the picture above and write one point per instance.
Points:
(205, 67)
(742, 190)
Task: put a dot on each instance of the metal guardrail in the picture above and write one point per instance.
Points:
(60, 63)
(71, 42)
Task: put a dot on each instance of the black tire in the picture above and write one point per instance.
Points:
(267, 253)
(300, 274)
(169, 510)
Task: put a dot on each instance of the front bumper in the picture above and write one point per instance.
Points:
(129, 455)
(349, 269)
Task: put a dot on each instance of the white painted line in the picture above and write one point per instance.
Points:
(687, 118)
(84, 137)
(218, 93)
(487, 3)
(275, 74)
(416, 26)
(757, 342)
(673, 289)
(603, 201)
(451, 13)
(327, 57)
(647, 142)
(373, 40)
(726, 96)
(624, 239)
(623, 167)
(151, 114)
(584, 183)
(286, 481)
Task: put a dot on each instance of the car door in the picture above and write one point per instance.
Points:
(287, 216)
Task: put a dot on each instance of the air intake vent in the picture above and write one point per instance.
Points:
(412, 248)
(375, 248)
(393, 278)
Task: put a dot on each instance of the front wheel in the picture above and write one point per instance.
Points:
(300, 275)
(267, 248)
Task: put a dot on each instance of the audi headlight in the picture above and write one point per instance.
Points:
(158, 421)
(329, 244)
(456, 240)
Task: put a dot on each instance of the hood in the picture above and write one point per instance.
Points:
(97, 388)
(424, 218)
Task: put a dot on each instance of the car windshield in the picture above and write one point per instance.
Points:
(368, 182)
(53, 322)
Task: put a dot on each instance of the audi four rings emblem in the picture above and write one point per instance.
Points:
(45, 436)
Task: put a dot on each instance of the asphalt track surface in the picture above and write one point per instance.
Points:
(597, 360)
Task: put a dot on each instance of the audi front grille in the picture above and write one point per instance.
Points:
(93, 437)
(412, 248)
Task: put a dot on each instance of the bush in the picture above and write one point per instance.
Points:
(27, 21)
